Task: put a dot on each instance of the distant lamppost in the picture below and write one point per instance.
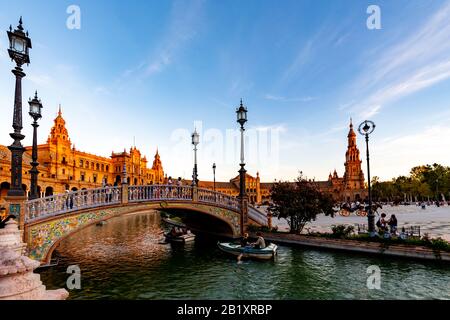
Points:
(366, 128)
(241, 114)
(19, 44)
(214, 174)
(36, 114)
(195, 141)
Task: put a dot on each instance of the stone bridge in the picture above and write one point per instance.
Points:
(46, 221)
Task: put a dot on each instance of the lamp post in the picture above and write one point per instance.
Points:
(195, 141)
(19, 44)
(214, 174)
(241, 114)
(36, 114)
(366, 128)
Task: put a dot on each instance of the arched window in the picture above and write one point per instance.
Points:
(87, 164)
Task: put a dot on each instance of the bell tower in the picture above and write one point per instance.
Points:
(59, 134)
(354, 176)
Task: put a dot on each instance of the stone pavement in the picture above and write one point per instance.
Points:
(432, 220)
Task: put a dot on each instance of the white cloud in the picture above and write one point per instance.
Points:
(286, 99)
(397, 155)
(184, 21)
(418, 62)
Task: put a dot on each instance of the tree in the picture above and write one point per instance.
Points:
(299, 202)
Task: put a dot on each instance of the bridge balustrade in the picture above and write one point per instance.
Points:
(159, 192)
(86, 199)
(180, 193)
(71, 201)
(221, 199)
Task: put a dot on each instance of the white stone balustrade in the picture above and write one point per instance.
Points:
(71, 201)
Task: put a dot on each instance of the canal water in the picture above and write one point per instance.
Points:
(123, 260)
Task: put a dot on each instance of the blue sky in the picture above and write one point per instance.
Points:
(155, 69)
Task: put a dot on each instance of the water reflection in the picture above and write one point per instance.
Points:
(123, 260)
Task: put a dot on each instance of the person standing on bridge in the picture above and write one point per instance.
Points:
(179, 183)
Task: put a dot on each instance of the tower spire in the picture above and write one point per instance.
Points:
(59, 110)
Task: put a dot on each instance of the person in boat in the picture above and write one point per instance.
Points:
(245, 240)
(260, 242)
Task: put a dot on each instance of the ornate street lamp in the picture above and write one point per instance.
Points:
(19, 44)
(195, 141)
(36, 114)
(366, 128)
(241, 114)
(214, 174)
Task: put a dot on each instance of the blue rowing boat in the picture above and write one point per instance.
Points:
(269, 252)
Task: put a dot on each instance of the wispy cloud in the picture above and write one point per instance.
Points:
(181, 29)
(395, 155)
(418, 62)
(286, 99)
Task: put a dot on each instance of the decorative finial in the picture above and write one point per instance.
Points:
(20, 24)
(241, 102)
(10, 28)
(59, 110)
(351, 122)
(35, 94)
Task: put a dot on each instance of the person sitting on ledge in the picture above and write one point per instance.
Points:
(260, 242)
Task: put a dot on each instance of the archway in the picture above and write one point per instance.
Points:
(4, 188)
(74, 189)
(48, 191)
(117, 180)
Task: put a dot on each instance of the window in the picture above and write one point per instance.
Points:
(97, 166)
(81, 163)
(87, 164)
(103, 167)
(82, 176)
(95, 178)
(92, 165)
(63, 171)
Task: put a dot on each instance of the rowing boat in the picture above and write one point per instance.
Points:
(267, 253)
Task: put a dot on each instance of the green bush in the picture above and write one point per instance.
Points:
(342, 231)
(439, 244)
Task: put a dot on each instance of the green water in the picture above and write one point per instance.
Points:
(123, 260)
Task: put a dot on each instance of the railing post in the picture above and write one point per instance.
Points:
(243, 200)
(194, 193)
(124, 193)
(16, 207)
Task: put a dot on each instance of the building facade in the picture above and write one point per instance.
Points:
(63, 167)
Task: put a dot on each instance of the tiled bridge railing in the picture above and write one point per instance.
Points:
(181, 193)
(42, 208)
